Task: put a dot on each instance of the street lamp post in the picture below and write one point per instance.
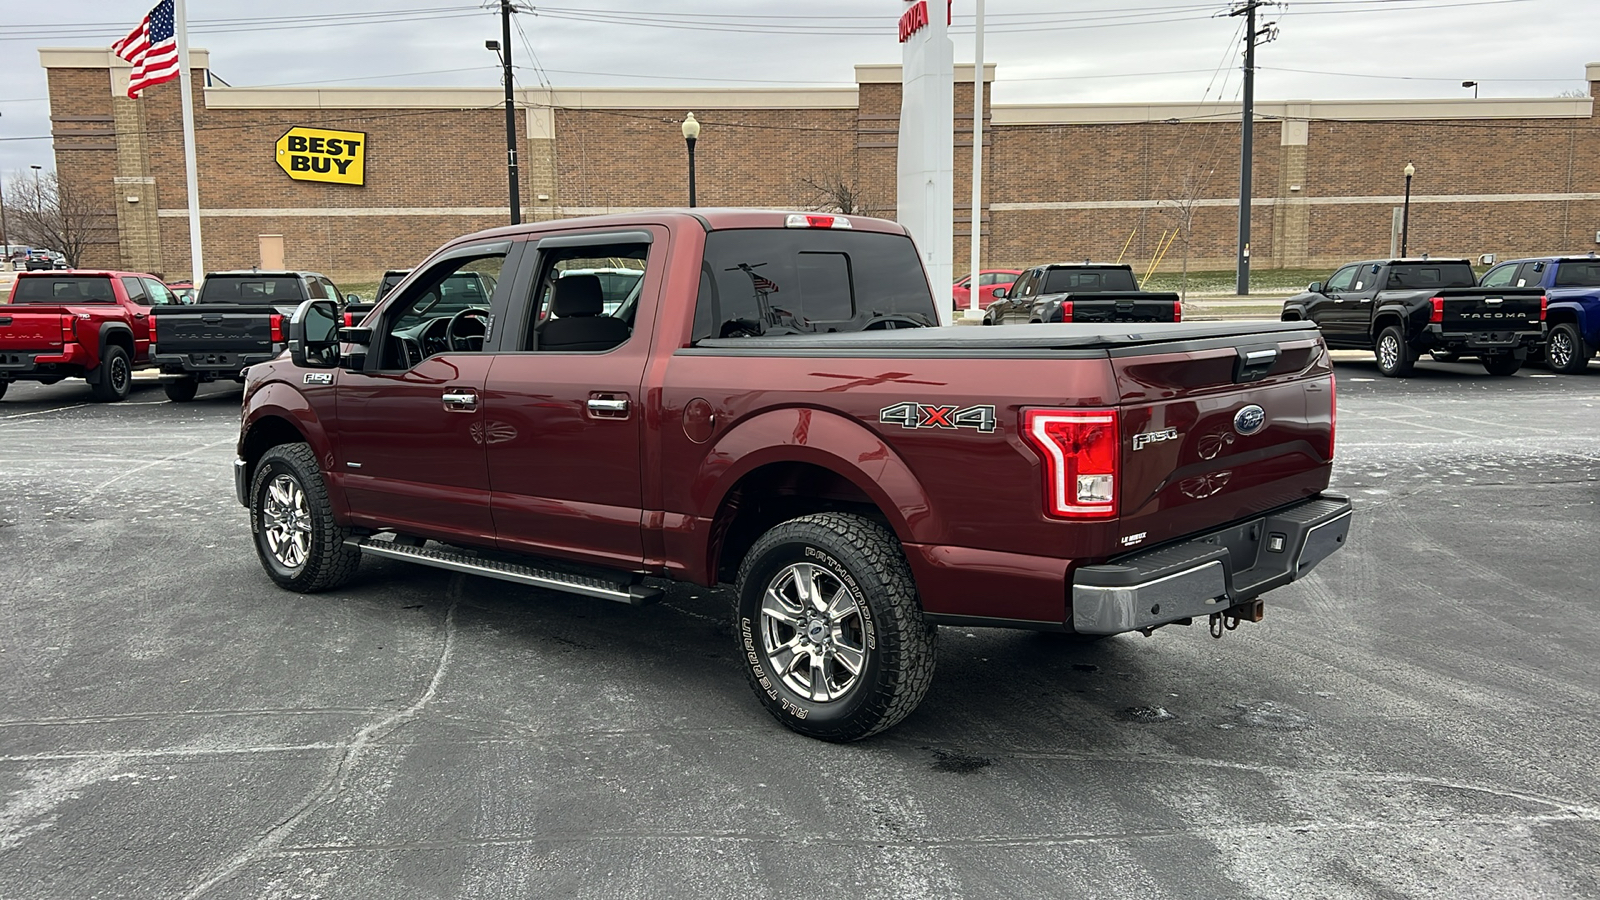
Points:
(691, 133)
(511, 112)
(38, 195)
(1473, 85)
(1405, 211)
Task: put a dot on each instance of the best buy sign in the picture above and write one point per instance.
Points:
(317, 154)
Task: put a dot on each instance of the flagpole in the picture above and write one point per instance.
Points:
(192, 179)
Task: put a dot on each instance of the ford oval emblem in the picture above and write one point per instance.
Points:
(1249, 420)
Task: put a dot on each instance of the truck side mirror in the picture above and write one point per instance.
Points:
(352, 298)
(1000, 293)
(314, 334)
(1314, 287)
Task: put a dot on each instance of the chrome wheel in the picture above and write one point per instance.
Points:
(1388, 351)
(1560, 350)
(286, 522)
(813, 632)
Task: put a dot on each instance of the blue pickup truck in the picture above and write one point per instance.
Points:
(1573, 285)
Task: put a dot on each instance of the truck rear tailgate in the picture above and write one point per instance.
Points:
(1220, 431)
(1489, 309)
(221, 327)
(32, 327)
(1137, 306)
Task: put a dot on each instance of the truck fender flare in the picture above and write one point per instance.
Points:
(109, 330)
(1567, 311)
(279, 401)
(818, 437)
(1294, 312)
(1400, 316)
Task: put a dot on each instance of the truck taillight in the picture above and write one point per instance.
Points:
(1544, 306)
(1081, 450)
(1066, 311)
(69, 328)
(349, 320)
(1436, 314)
(277, 329)
(152, 321)
(1177, 311)
(798, 220)
(1333, 412)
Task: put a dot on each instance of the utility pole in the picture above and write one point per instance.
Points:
(1252, 35)
(511, 113)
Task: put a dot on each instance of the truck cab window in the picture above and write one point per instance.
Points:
(1342, 280)
(770, 281)
(445, 311)
(1500, 276)
(586, 297)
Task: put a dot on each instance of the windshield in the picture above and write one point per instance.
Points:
(809, 281)
(77, 289)
(1425, 276)
(1069, 281)
(1578, 274)
(278, 289)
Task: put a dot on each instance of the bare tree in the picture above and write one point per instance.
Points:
(1181, 202)
(838, 193)
(46, 212)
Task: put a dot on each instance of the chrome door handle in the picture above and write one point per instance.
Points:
(604, 407)
(465, 401)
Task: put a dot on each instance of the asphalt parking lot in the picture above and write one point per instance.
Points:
(1417, 719)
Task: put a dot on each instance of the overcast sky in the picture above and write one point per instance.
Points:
(1048, 51)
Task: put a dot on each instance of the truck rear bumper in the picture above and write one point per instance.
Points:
(1209, 573)
(70, 360)
(1486, 340)
(208, 365)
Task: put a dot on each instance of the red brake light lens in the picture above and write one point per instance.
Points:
(277, 329)
(802, 220)
(1081, 451)
(152, 321)
(349, 320)
(1544, 306)
(69, 328)
(1436, 314)
(1177, 311)
(1066, 311)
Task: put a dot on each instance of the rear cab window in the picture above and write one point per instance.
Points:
(755, 282)
(1578, 274)
(1425, 276)
(246, 289)
(64, 289)
(1065, 281)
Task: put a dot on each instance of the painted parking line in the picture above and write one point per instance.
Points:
(40, 412)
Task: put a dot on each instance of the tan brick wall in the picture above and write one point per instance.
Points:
(607, 158)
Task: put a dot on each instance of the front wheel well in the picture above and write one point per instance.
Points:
(776, 493)
(264, 434)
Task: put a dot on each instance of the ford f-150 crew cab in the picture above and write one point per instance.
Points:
(1081, 292)
(236, 321)
(767, 408)
(85, 324)
(1401, 308)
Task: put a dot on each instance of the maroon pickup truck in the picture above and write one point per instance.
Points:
(769, 408)
(79, 323)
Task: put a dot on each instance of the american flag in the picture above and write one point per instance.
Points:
(152, 48)
(762, 283)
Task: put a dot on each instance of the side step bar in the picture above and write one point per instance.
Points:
(618, 589)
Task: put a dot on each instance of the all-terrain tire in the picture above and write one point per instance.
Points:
(182, 390)
(844, 584)
(1566, 351)
(1503, 364)
(116, 376)
(291, 523)
(1395, 357)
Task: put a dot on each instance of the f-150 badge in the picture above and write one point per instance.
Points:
(928, 415)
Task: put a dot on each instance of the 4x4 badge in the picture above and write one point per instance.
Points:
(928, 415)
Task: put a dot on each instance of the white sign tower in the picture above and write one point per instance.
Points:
(926, 183)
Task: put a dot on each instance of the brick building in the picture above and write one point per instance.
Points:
(1061, 181)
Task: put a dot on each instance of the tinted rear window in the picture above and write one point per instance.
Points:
(251, 289)
(1581, 274)
(1064, 281)
(1431, 275)
(791, 281)
(58, 289)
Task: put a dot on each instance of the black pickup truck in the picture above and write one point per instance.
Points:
(1080, 292)
(236, 321)
(1402, 308)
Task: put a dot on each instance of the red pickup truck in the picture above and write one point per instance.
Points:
(769, 408)
(79, 323)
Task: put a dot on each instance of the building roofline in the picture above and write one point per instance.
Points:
(1294, 110)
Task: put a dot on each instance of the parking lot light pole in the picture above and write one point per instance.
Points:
(691, 133)
(1405, 210)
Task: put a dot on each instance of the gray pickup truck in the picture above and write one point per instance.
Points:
(1080, 292)
(237, 320)
(1402, 308)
